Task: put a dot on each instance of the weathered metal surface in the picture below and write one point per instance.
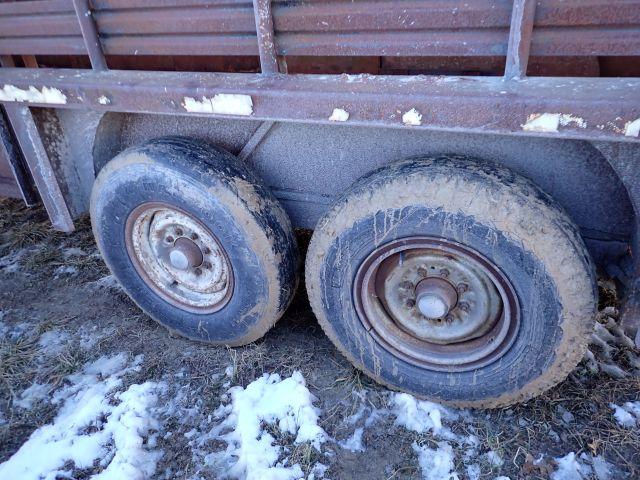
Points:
(14, 181)
(266, 36)
(42, 172)
(179, 258)
(520, 38)
(589, 108)
(90, 34)
(478, 329)
(255, 139)
(384, 28)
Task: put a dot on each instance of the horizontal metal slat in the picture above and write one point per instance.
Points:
(50, 25)
(181, 45)
(42, 46)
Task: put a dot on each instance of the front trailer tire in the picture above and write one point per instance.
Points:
(477, 209)
(227, 209)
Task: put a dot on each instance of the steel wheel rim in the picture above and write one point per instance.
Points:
(427, 342)
(179, 258)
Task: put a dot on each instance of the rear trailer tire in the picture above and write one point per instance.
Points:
(453, 280)
(195, 239)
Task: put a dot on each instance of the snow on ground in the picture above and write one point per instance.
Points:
(627, 415)
(99, 424)
(252, 452)
(584, 467)
(53, 342)
(32, 395)
(11, 263)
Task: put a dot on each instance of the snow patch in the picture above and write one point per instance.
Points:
(96, 425)
(354, 442)
(64, 270)
(53, 341)
(222, 103)
(412, 117)
(339, 115)
(627, 415)
(11, 93)
(102, 100)
(34, 394)
(420, 415)
(252, 452)
(571, 467)
(436, 464)
(632, 129)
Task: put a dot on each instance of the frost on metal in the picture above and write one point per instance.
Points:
(339, 115)
(222, 103)
(104, 100)
(11, 93)
(550, 122)
(632, 129)
(412, 117)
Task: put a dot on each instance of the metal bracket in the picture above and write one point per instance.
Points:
(266, 36)
(520, 35)
(90, 34)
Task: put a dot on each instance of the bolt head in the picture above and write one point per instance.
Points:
(179, 232)
(462, 287)
(198, 272)
(423, 272)
(411, 303)
(444, 272)
(169, 239)
(406, 284)
(206, 265)
(464, 306)
(194, 236)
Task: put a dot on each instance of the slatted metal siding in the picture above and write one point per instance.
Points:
(320, 27)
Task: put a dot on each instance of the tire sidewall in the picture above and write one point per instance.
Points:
(342, 245)
(163, 172)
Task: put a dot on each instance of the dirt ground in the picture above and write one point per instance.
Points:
(60, 309)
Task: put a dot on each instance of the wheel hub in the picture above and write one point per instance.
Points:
(436, 303)
(435, 297)
(185, 254)
(179, 258)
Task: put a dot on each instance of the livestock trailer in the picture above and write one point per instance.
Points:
(467, 166)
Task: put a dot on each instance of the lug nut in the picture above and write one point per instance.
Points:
(206, 250)
(464, 306)
(198, 272)
(406, 284)
(462, 287)
(449, 318)
(444, 272)
(206, 265)
(411, 303)
(179, 232)
(194, 236)
(423, 272)
(169, 239)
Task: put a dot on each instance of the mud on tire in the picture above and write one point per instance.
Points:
(237, 238)
(505, 220)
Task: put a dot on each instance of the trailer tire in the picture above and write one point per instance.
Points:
(196, 240)
(525, 268)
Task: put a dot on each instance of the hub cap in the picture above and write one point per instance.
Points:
(179, 258)
(436, 303)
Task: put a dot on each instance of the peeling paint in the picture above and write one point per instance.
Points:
(550, 122)
(542, 122)
(104, 100)
(339, 115)
(11, 93)
(222, 103)
(412, 117)
(567, 119)
(632, 129)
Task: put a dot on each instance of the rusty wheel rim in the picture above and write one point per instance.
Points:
(179, 258)
(436, 304)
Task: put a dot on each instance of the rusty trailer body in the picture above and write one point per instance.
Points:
(312, 95)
